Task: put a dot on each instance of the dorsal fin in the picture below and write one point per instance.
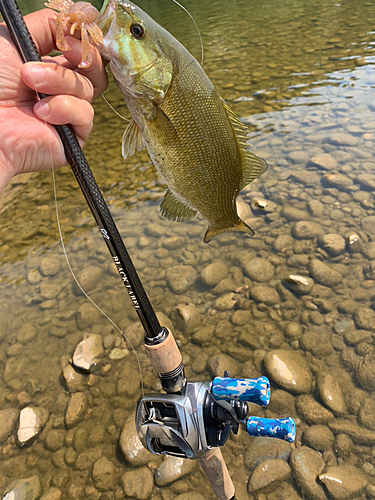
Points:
(132, 140)
(252, 165)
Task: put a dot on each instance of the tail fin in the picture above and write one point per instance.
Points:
(241, 226)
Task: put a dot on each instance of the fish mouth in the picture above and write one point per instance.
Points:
(119, 66)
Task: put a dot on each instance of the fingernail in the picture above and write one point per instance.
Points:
(41, 109)
(36, 73)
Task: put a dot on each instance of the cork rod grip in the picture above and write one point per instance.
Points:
(166, 356)
(216, 471)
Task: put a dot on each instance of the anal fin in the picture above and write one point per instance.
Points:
(175, 210)
(132, 140)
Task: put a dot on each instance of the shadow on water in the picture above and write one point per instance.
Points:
(300, 294)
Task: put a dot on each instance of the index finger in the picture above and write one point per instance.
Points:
(41, 25)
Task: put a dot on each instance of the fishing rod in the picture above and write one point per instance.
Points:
(194, 419)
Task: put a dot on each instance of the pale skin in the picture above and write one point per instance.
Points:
(28, 141)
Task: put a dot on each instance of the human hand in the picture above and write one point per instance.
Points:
(27, 142)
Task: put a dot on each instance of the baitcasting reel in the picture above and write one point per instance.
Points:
(203, 415)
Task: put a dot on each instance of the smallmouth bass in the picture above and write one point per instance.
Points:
(195, 141)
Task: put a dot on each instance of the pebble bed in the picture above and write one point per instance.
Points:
(294, 303)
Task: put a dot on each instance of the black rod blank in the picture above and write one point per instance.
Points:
(74, 154)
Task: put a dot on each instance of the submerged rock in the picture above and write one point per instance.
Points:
(344, 481)
(323, 273)
(301, 285)
(268, 474)
(76, 409)
(88, 352)
(8, 421)
(265, 448)
(31, 423)
(334, 244)
(173, 468)
(213, 273)
(331, 394)
(138, 483)
(318, 437)
(103, 474)
(24, 489)
(289, 369)
(306, 465)
(181, 278)
(258, 269)
(131, 446)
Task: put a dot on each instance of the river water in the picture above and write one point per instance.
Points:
(301, 74)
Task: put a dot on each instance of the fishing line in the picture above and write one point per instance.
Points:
(195, 24)
(126, 340)
(113, 109)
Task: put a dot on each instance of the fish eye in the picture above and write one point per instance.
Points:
(137, 30)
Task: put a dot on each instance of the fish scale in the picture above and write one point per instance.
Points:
(195, 141)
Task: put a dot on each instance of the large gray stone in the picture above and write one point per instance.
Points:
(289, 370)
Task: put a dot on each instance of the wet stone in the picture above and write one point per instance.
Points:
(315, 208)
(334, 244)
(364, 318)
(283, 242)
(49, 291)
(323, 161)
(186, 318)
(342, 139)
(173, 243)
(26, 333)
(260, 270)
(365, 373)
(318, 437)
(265, 448)
(191, 495)
(218, 364)
(343, 446)
(369, 271)
(181, 278)
(292, 214)
(323, 273)
(343, 481)
(331, 394)
(301, 285)
(31, 423)
(24, 489)
(265, 294)
(173, 468)
(226, 302)
(103, 474)
(76, 409)
(131, 446)
(289, 370)
(356, 432)
(89, 278)
(306, 465)
(8, 421)
(337, 181)
(55, 439)
(74, 381)
(368, 224)
(316, 341)
(311, 411)
(52, 494)
(298, 157)
(88, 351)
(138, 483)
(268, 474)
(49, 265)
(367, 414)
(134, 333)
(214, 273)
(224, 286)
(307, 230)
(366, 181)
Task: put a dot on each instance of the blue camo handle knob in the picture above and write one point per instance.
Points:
(252, 390)
(280, 428)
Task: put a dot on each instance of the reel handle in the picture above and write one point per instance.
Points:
(280, 428)
(252, 390)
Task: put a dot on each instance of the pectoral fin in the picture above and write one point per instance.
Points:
(252, 165)
(175, 210)
(132, 140)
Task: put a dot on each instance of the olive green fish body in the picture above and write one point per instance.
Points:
(192, 137)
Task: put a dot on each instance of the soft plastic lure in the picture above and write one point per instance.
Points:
(81, 15)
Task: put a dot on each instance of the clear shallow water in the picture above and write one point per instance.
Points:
(298, 73)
